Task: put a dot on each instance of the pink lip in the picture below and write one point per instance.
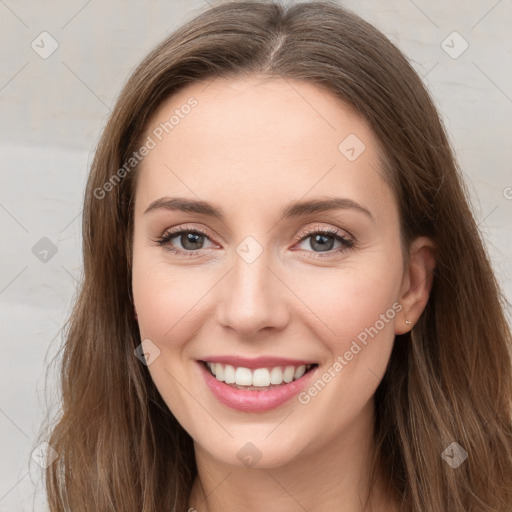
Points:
(254, 401)
(257, 362)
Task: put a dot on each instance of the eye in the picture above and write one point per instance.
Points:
(191, 240)
(322, 240)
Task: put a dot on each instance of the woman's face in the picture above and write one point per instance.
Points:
(263, 276)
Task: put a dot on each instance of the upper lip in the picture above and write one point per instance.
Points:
(257, 362)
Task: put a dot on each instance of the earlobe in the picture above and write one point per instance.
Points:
(417, 283)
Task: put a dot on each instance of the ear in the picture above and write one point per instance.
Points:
(416, 284)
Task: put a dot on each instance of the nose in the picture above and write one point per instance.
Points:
(253, 298)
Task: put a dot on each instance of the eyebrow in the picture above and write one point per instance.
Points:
(292, 209)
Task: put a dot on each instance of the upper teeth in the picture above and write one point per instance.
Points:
(259, 377)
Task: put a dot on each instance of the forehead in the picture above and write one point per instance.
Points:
(245, 141)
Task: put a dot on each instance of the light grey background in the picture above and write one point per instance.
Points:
(53, 111)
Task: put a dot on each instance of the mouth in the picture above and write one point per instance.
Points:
(257, 379)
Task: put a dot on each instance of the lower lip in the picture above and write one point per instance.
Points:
(254, 401)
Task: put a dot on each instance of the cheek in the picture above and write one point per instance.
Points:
(357, 303)
(168, 299)
(162, 299)
(351, 299)
(359, 309)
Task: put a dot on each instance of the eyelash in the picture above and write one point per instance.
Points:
(347, 243)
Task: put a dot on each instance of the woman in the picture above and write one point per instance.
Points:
(286, 301)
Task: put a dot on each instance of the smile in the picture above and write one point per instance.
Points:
(258, 389)
(259, 378)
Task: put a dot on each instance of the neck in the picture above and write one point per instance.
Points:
(334, 477)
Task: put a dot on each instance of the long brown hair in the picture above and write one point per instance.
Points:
(449, 380)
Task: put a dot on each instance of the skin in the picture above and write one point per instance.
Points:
(251, 146)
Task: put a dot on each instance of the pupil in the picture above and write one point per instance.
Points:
(321, 240)
(193, 238)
